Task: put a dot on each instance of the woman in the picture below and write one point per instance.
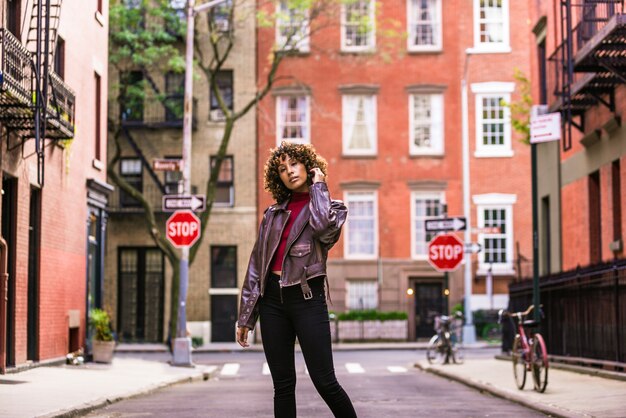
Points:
(284, 284)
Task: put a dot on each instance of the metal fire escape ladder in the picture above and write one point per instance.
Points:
(143, 159)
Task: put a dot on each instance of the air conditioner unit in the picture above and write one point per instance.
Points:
(216, 115)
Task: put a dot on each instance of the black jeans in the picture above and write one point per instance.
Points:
(281, 322)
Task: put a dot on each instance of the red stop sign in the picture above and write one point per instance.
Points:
(183, 228)
(445, 252)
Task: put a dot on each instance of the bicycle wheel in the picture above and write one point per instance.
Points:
(519, 363)
(540, 363)
(435, 353)
(457, 353)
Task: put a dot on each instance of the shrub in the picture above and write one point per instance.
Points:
(371, 315)
(101, 323)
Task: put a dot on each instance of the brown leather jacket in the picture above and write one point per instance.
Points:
(314, 232)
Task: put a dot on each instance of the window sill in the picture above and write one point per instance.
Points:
(504, 270)
(355, 156)
(99, 18)
(504, 49)
(493, 154)
(368, 51)
(97, 164)
(420, 51)
(426, 155)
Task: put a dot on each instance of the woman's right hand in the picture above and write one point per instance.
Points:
(242, 336)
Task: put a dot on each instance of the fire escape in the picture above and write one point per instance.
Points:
(590, 61)
(34, 101)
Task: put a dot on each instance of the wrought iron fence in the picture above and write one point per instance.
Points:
(584, 310)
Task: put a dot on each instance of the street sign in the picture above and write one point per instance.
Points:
(183, 228)
(167, 164)
(445, 252)
(445, 224)
(173, 202)
(473, 247)
(544, 128)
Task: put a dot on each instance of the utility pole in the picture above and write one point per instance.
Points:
(182, 343)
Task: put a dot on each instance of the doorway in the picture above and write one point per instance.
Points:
(140, 294)
(34, 235)
(9, 229)
(428, 304)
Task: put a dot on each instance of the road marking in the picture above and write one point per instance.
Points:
(266, 369)
(397, 369)
(354, 368)
(230, 369)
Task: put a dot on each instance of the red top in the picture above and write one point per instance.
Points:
(296, 204)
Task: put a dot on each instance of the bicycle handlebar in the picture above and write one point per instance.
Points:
(518, 315)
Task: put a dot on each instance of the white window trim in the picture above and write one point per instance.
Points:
(346, 244)
(490, 47)
(503, 89)
(344, 135)
(376, 289)
(302, 44)
(279, 138)
(439, 149)
(438, 36)
(424, 195)
(371, 43)
(495, 201)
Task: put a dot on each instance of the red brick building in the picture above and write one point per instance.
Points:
(389, 122)
(54, 192)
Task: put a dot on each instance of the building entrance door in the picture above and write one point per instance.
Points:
(223, 317)
(140, 294)
(9, 228)
(428, 304)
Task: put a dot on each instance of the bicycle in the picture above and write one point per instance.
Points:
(445, 345)
(529, 353)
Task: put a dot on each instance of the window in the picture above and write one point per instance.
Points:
(595, 218)
(495, 211)
(224, 83)
(225, 188)
(220, 17)
(132, 171)
(616, 195)
(361, 226)
(59, 58)
(223, 266)
(174, 100)
(493, 119)
(491, 25)
(424, 206)
(99, 9)
(173, 179)
(424, 25)
(132, 104)
(426, 124)
(292, 27)
(14, 17)
(362, 294)
(359, 124)
(98, 115)
(358, 30)
(292, 119)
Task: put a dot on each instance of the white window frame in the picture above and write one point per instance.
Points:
(361, 195)
(371, 35)
(415, 195)
(492, 47)
(485, 90)
(279, 120)
(371, 120)
(299, 42)
(437, 125)
(368, 282)
(438, 29)
(496, 201)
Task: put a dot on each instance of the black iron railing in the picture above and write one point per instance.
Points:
(61, 109)
(154, 112)
(15, 73)
(585, 310)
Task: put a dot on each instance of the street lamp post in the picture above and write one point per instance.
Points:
(469, 332)
(182, 343)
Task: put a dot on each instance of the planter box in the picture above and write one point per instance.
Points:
(393, 330)
(103, 351)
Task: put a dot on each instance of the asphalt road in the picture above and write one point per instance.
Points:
(381, 383)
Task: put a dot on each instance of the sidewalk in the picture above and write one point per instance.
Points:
(64, 390)
(568, 394)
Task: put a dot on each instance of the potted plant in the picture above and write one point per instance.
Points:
(103, 344)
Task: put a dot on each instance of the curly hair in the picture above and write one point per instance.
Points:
(303, 153)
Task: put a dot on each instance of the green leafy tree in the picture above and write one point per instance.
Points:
(148, 36)
(520, 110)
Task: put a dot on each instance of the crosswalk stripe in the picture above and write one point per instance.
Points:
(354, 368)
(230, 369)
(266, 369)
(397, 369)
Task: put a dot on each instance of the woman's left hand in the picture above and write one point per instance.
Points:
(317, 175)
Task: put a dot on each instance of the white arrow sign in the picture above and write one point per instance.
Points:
(175, 202)
(473, 248)
(446, 224)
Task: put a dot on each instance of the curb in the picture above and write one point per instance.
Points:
(484, 387)
(205, 374)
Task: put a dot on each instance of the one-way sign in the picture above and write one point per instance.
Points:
(174, 202)
(445, 224)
